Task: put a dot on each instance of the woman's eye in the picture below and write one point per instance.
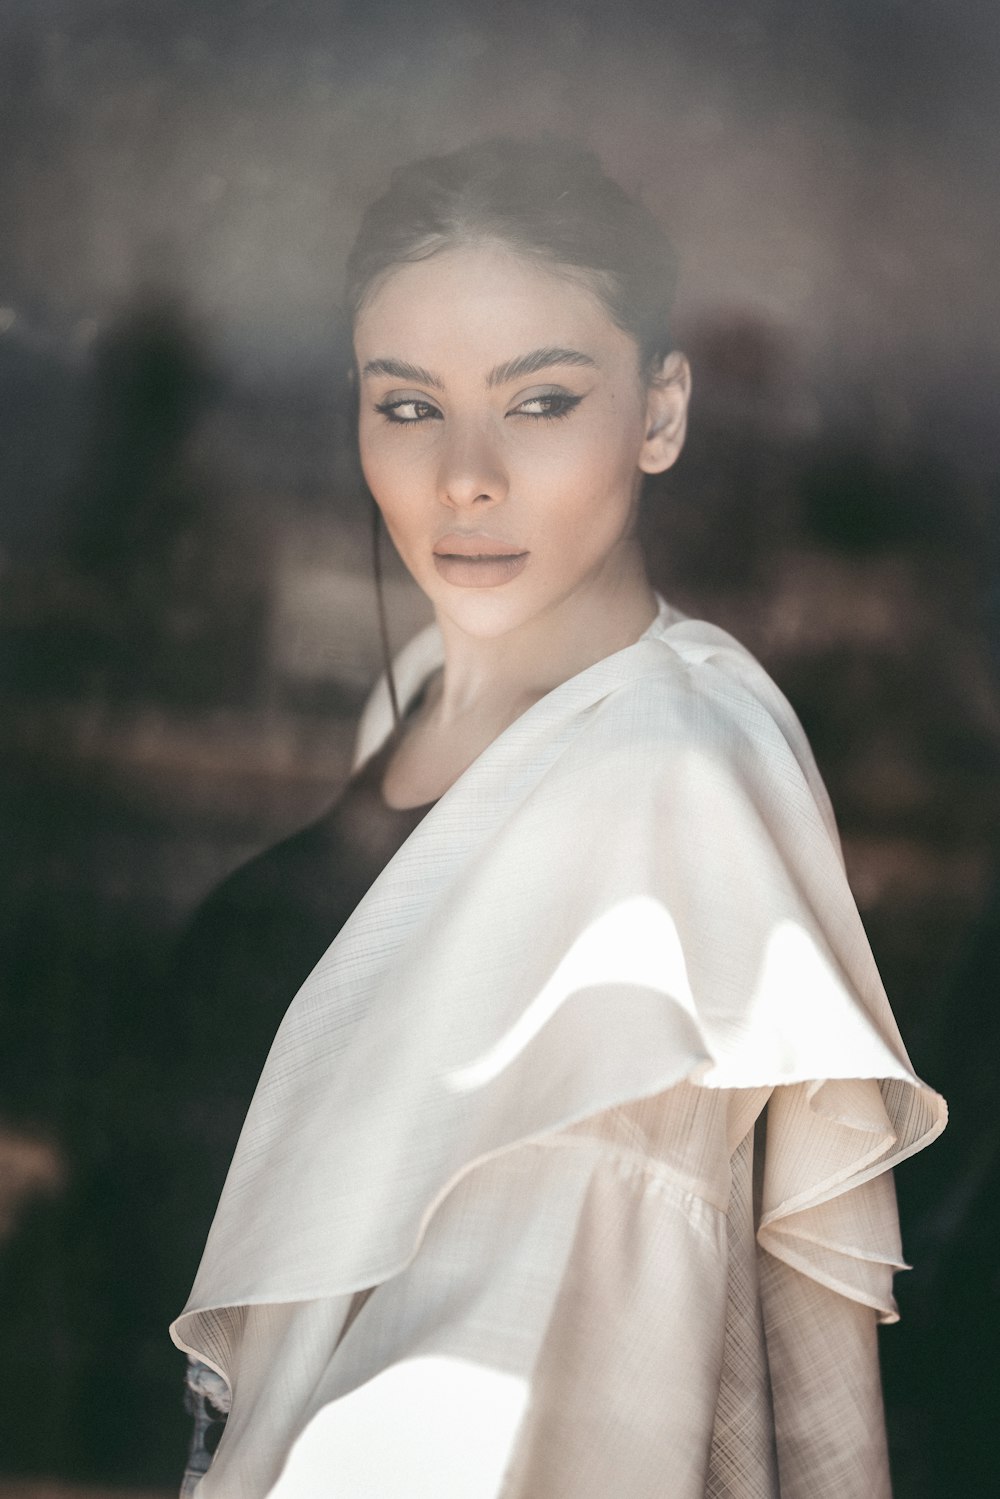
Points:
(553, 405)
(407, 413)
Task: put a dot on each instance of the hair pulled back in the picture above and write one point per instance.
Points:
(546, 199)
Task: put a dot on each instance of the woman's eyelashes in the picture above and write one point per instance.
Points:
(554, 404)
(408, 411)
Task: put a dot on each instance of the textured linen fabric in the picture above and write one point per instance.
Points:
(490, 1227)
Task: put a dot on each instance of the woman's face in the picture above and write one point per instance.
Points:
(504, 430)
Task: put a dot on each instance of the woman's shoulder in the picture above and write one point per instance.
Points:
(697, 704)
(694, 677)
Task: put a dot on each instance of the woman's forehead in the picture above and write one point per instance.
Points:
(484, 302)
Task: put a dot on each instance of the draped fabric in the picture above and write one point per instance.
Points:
(509, 1216)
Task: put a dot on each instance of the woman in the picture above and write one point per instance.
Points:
(505, 1218)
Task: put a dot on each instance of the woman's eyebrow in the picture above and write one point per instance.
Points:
(398, 369)
(538, 359)
(501, 374)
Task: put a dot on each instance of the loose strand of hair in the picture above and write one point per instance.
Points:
(383, 623)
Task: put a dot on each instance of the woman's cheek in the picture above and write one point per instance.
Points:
(382, 474)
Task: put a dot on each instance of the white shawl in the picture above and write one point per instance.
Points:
(636, 888)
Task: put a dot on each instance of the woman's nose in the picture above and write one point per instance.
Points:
(472, 471)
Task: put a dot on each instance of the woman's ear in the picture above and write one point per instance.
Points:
(667, 397)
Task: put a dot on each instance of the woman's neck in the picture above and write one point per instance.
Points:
(513, 670)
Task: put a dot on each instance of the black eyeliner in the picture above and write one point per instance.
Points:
(565, 403)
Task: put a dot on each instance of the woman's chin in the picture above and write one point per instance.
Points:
(483, 613)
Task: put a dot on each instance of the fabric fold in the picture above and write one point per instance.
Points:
(637, 887)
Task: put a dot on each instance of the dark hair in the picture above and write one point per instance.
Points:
(548, 199)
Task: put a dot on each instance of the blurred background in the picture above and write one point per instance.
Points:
(187, 626)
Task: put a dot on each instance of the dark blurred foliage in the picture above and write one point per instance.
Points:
(147, 594)
(177, 493)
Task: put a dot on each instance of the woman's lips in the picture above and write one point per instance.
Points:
(477, 561)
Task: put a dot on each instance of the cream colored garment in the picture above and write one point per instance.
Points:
(517, 1096)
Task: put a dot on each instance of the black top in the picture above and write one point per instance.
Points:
(261, 932)
(251, 946)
